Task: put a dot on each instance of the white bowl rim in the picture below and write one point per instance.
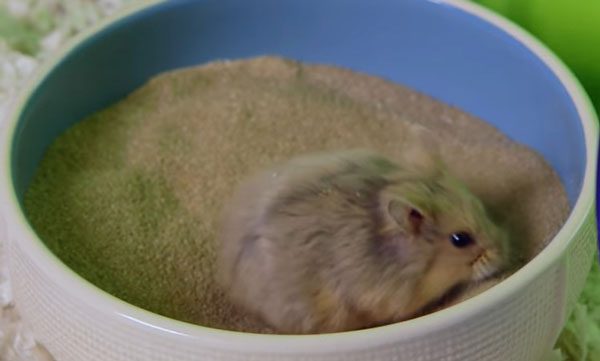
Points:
(110, 306)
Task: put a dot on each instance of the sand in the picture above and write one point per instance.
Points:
(130, 197)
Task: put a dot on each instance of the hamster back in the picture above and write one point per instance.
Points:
(351, 240)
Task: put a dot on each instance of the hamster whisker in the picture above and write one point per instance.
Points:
(483, 268)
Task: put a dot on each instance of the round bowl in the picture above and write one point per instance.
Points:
(454, 51)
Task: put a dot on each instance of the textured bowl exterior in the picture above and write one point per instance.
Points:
(520, 327)
(518, 320)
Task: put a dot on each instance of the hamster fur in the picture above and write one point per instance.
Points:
(348, 240)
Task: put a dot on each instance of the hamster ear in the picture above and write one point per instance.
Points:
(408, 217)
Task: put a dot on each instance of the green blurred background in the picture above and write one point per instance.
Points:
(570, 28)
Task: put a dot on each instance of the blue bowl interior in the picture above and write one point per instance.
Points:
(432, 47)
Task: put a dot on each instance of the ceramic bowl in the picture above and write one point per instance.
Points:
(454, 51)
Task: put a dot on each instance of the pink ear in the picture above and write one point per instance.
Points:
(415, 220)
(407, 216)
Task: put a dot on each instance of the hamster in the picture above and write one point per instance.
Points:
(348, 240)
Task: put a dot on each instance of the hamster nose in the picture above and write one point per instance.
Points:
(478, 253)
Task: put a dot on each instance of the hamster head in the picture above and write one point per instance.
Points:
(449, 226)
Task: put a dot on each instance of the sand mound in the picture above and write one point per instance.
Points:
(130, 197)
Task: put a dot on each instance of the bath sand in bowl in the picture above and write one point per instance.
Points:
(130, 198)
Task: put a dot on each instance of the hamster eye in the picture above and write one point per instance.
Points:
(461, 239)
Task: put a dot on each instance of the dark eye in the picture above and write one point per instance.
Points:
(461, 239)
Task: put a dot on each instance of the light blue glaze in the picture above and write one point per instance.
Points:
(434, 48)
